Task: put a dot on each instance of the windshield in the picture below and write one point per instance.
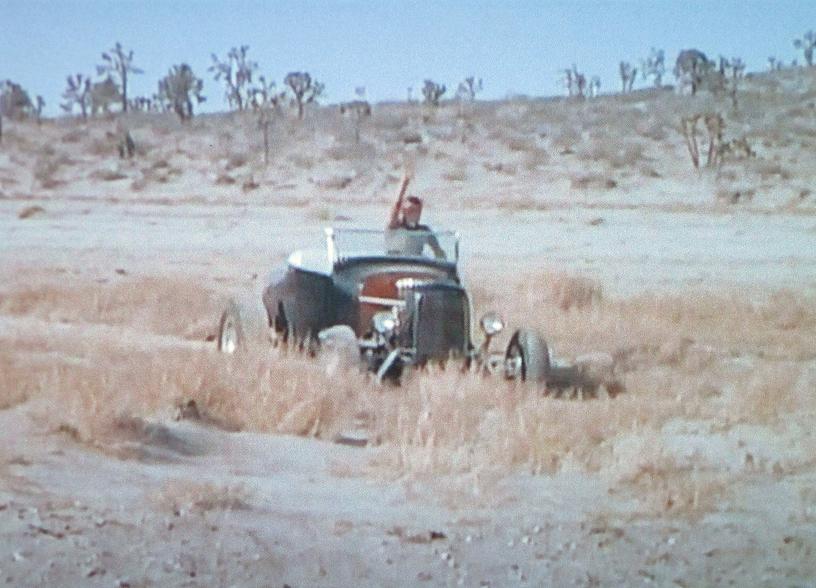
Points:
(427, 244)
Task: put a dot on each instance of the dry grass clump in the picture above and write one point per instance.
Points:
(508, 169)
(666, 488)
(19, 381)
(457, 173)
(30, 211)
(301, 161)
(47, 166)
(618, 154)
(103, 406)
(521, 144)
(236, 160)
(110, 174)
(567, 139)
(74, 136)
(172, 306)
(535, 159)
(569, 291)
(592, 181)
(184, 496)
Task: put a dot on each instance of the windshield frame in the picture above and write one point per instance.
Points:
(335, 255)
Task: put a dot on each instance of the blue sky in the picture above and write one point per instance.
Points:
(387, 46)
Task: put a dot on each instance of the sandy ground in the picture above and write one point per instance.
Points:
(728, 500)
(303, 513)
(626, 250)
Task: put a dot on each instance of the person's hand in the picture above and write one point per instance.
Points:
(409, 167)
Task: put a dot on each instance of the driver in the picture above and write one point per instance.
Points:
(404, 234)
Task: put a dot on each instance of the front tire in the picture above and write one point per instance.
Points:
(339, 349)
(528, 357)
(242, 327)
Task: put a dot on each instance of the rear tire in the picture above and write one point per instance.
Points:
(243, 326)
(529, 351)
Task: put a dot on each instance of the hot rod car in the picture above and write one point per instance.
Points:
(397, 307)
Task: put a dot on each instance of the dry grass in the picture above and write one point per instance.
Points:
(30, 211)
(183, 496)
(682, 357)
(666, 488)
(142, 302)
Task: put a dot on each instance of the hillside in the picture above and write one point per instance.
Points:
(132, 453)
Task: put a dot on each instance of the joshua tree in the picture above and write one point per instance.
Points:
(103, 94)
(654, 66)
(628, 75)
(40, 104)
(178, 88)
(807, 43)
(594, 87)
(14, 100)
(775, 64)
(714, 126)
(127, 147)
(236, 73)
(304, 89)
(146, 104)
(730, 74)
(692, 68)
(119, 63)
(77, 92)
(266, 101)
(357, 110)
(575, 82)
(433, 92)
(469, 88)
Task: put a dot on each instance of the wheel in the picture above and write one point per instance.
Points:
(528, 356)
(242, 326)
(339, 350)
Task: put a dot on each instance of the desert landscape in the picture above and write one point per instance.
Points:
(134, 454)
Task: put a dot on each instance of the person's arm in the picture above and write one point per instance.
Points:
(394, 220)
(433, 243)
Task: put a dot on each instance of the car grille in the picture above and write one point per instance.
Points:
(440, 321)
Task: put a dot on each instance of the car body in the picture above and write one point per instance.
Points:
(393, 309)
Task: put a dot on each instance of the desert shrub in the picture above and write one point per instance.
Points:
(30, 211)
(521, 144)
(567, 139)
(47, 167)
(301, 160)
(592, 180)
(568, 291)
(74, 136)
(535, 159)
(655, 130)
(769, 169)
(457, 173)
(181, 496)
(509, 169)
(236, 160)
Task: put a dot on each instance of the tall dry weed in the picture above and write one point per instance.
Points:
(681, 357)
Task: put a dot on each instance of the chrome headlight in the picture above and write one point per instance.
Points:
(491, 324)
(384, 323)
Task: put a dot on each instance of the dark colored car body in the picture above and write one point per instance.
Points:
(391, 310)
(425, 296)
